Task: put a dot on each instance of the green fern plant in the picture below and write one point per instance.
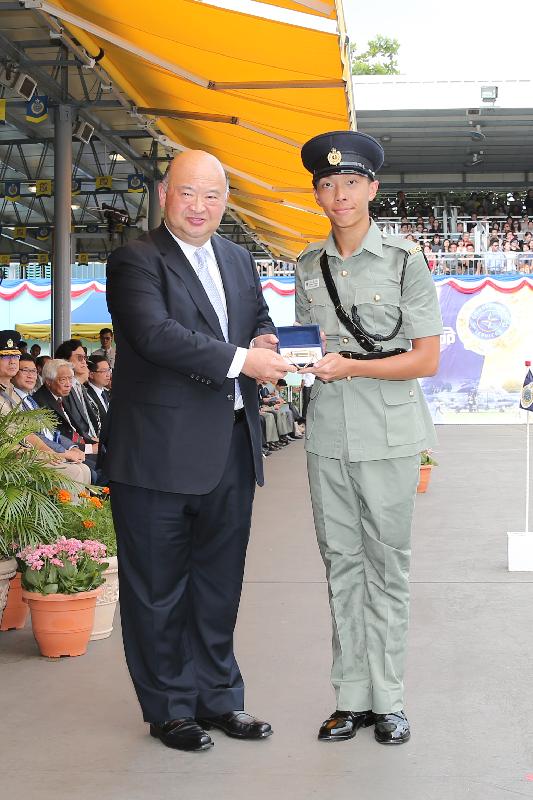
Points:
(28, 511)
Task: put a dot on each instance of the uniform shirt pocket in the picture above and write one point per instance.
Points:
(378, 308)
(321, 310)
(402, 412)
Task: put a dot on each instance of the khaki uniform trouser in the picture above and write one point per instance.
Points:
(77, 472)
(363, 513)
(271, 431)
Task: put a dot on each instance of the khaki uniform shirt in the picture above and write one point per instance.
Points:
(365, 419)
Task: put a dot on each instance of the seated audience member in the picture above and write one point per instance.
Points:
(14, 382)
(494, 258)
(525, 259)
(107, 348)
(98, 386)
(271, 402)
(436, 243)
(81, 410)
(23, 346)
(23, 384)
(35, 350)
(430, 256)
(297, 418)
(510, 258)
(40, 361)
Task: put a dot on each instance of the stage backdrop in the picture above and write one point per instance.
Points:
(487, 336)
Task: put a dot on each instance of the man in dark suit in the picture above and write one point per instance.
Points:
(184, 453)
(97, 387)
(82, 412)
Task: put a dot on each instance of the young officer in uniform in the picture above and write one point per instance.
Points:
(374, 299)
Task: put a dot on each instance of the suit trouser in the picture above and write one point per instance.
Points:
(181, 563)
(363, 513)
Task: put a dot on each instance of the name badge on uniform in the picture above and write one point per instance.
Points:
(314, 283)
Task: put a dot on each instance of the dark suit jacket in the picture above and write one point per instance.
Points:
(44, 397)
(171, 416)
(76, 413)
(102, 410)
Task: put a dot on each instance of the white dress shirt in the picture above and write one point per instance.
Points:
(100, 392)
(189, 250)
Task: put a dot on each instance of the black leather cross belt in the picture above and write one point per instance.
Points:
(369, 356)
(239, 415)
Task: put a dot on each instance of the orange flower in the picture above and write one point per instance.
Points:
(84, 494)
(63, 496)
(96, 502)
(105, 490)
(87, 523)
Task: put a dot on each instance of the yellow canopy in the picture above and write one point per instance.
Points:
(89, 331)
(247, 89)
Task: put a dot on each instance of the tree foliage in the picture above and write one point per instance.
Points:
(380, 57)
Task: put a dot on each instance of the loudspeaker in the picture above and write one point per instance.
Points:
(25, 86)
(83, 131)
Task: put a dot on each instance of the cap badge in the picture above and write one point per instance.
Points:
(9, 342)
(334, 157)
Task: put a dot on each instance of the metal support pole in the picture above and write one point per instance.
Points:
(61, 272)
(154, 209)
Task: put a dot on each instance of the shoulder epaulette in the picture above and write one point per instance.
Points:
(311, 247)
(402, 244)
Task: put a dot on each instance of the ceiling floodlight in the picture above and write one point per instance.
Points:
(476, 134)
(25, 86)
(489, 94)
(477, 158)
(83, 131)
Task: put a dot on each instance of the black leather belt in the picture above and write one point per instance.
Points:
(239, 415)
(371, 356)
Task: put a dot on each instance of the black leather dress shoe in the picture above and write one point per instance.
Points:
(392, 728)
(343, 725)
(182, 734)
(237, 724)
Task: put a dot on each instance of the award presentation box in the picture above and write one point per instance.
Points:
(300, 344)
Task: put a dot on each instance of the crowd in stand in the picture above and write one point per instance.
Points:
(76, 389)
(486, 234)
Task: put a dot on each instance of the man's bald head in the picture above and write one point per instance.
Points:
(193, 160)
(193, 195)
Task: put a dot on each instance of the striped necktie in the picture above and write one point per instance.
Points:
(212, 292)
(211, 289)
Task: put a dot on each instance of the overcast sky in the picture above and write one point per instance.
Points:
(455, 39)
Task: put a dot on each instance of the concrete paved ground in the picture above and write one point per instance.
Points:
(72, 728)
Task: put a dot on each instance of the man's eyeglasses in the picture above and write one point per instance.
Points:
(65, 380)
(28, 371)
(102, 371)
(10, 355)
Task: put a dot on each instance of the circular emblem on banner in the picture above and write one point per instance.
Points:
(135, 182)
(334, 157)
(489, 320)
(12, 189)
(37, 107)
(527, 395)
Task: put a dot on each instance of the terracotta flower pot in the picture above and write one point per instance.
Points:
(62, 623)
(16, 611)
(107, 602)
(425, 475)
(8, 567)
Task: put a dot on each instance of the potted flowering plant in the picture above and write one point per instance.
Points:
(28, 512)
(91, 517)
(427, 462)
(60, 582)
